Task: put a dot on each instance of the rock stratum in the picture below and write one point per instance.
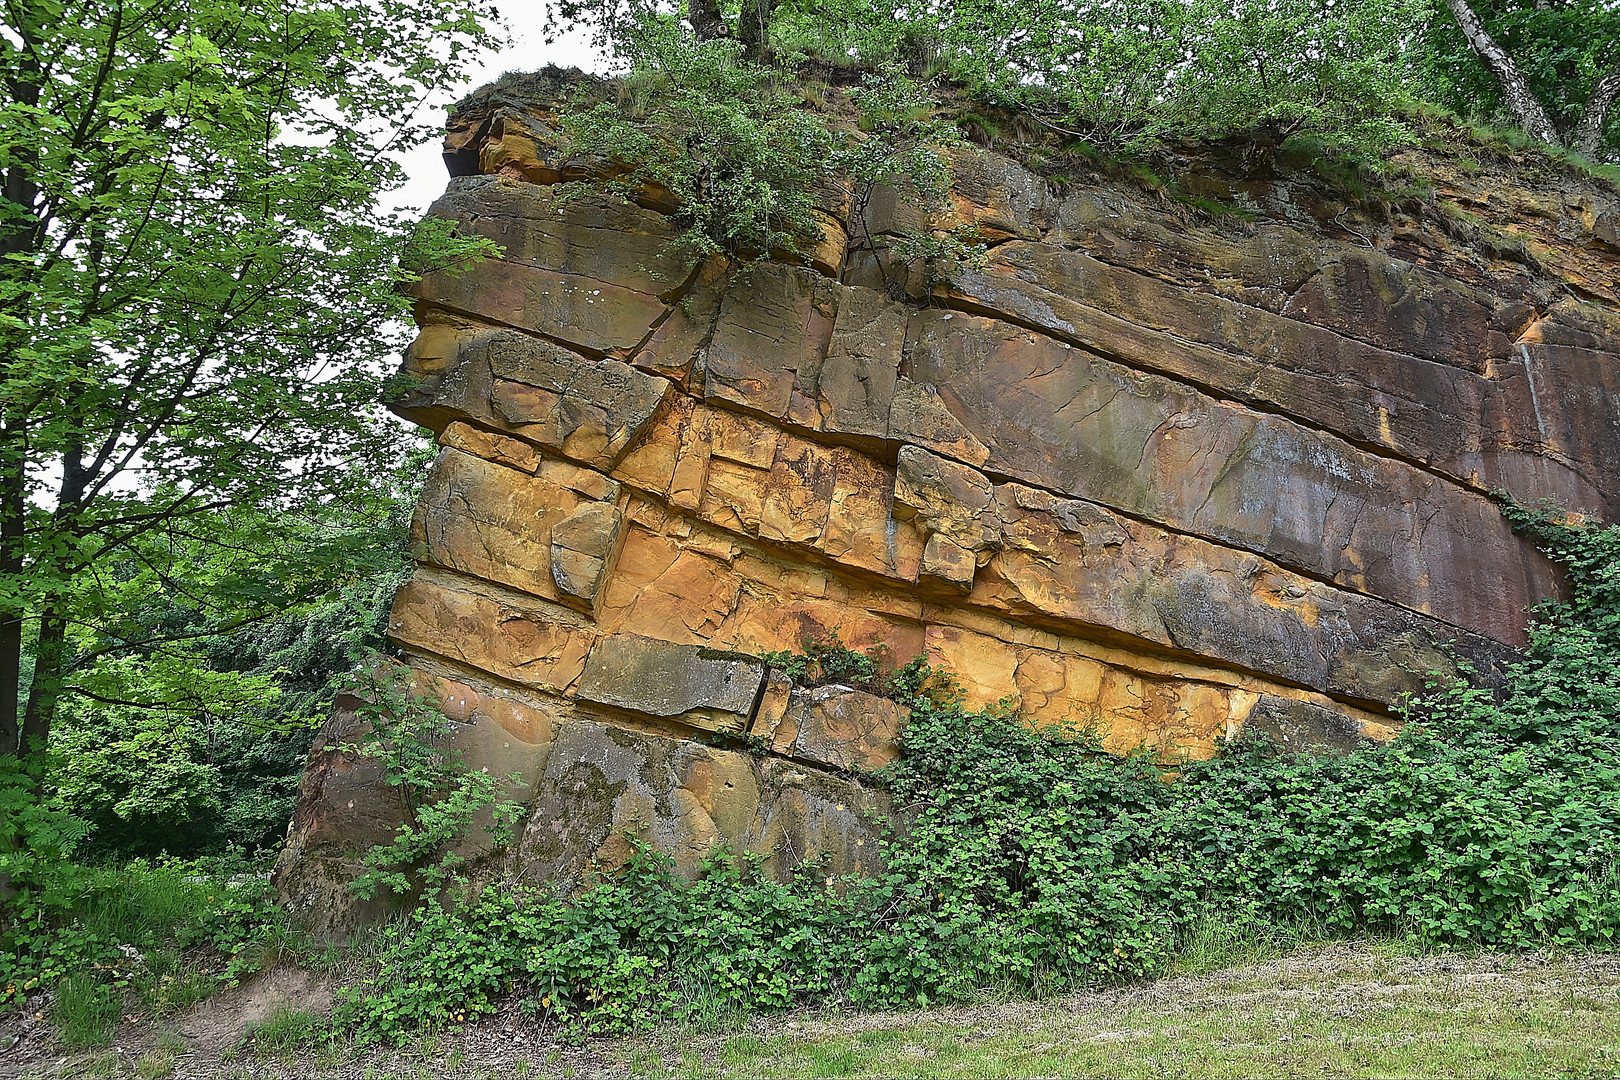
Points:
(1170, 475)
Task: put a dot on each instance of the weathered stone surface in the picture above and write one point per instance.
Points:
(684, 798)
(850, 391)
(836, 726)
(496, 523)
(1263, 267)
(595, 236)
(1298, 727)
(948, 563)
(825, 251)
(1166, 476)
(920, 417)
(344, 808)
(1397, 306)
(945, 498)
(1074, 560)
(584, 313)
(1069, 421)
(504, 636)
(1481, 430)
(705, 688)
(589, 411)
(513, 453)
(998, 198)
(774, 321)
(673, 349)
(583, 545)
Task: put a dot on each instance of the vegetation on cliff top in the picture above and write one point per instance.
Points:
(738, 116)
(1122, 72)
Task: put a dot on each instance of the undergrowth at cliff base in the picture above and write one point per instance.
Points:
(1036, 863)
(150, 938)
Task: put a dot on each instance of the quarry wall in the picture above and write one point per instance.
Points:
(1171, 475)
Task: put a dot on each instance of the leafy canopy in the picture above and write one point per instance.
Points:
(1561, 47)
(714, 134)
(196, 286)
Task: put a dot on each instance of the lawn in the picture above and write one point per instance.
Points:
(1368, 1009)
(1326, 1011)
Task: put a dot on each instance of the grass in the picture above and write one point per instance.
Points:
(1289, 1007)
(85, 1012)
(284, 1032)
(157, 939)
(155, 1064)
(1364, 1010)
(1216, 944)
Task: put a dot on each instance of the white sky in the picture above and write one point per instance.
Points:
(527, 51)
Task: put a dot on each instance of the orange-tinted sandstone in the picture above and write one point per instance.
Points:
(1165, 477)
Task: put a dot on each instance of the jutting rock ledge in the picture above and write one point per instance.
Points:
(1171, 478)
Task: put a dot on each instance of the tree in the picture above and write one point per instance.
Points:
(211, 752)
(196, 284)
(1555, 65)
(716, 132)
(1125, 73)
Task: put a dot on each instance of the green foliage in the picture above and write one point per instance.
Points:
(742, 162)
(284, 1031)
(636, 947)
(826, 660)
(37, 841)
(85, 1012)
(197, 703)
(719, 135)
(153, 937)
(196, 303)
(1342, 71)
(1032, 860)
(407, 735)
(1124, 74)
(897, 152)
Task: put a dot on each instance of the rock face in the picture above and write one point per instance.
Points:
(1163, 477)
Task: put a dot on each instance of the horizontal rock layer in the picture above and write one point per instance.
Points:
(1166, 482)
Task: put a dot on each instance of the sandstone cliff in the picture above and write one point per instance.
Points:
(1170, 474)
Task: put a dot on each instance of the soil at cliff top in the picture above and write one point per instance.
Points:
(1343, 1010)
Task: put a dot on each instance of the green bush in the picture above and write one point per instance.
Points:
(164, 933)
(638, 946)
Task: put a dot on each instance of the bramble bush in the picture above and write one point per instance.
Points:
(1034, 861)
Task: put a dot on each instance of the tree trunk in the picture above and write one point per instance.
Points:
(707, 22)
(1521, 102)
(20, 237)
(12, 506)
(754, 29)
(1589, 132)
(50, 656)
